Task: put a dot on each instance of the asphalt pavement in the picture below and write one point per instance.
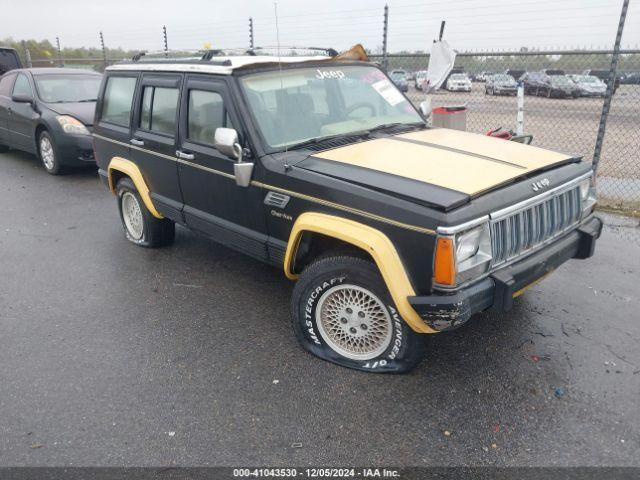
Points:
(111, 354)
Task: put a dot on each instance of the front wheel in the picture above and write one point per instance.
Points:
(343, 313)
(140, 226)
(49, 154)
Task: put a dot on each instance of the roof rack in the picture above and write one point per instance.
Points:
(331, 52)
(167, 54)
(218, 52)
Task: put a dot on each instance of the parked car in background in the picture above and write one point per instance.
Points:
(458, 82)
(532, 82)
(399, 78)
(501, 84)
(632, 78)
(9, 60)
(541, 84)
(588, 86)
(421, 80)
(604, 76)
(49, 112)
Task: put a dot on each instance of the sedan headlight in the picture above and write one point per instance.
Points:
(72, 125)
(462, 255)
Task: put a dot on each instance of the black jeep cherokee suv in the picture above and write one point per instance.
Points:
(321, 167)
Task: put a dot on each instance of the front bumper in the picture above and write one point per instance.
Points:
(587, 93)
(497, 291)
(75, 150)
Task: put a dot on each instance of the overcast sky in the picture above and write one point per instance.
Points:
(471, 24)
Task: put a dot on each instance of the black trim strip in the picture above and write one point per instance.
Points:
(457, 150)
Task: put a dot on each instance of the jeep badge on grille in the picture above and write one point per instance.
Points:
(540, 184)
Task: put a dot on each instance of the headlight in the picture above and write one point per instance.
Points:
(72, 125)
(588, 195)
(585, 186)
(462, 255)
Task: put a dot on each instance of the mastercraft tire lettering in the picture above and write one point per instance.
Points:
(343, 313)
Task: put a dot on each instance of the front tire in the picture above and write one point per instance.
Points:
(343, 313)
(140, 226)
(49, 154)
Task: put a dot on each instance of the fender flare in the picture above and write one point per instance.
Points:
(133, 172)
(372, 241)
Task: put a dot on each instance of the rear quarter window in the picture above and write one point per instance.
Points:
(118, 99)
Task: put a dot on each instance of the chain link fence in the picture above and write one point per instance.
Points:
(568, 124)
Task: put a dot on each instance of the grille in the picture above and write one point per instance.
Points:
(518, 232)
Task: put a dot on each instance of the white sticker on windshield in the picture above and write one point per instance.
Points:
(387, 91)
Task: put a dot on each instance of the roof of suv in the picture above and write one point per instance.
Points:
(227, 64)
(219, 65)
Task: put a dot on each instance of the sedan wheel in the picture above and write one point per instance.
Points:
(48, 154)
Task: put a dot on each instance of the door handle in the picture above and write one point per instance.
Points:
(136, 142)
(185, 156)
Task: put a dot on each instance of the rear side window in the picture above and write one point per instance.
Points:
(6, 83)
(206, 113)
(159, 109)
(22, 86)
(118, 97)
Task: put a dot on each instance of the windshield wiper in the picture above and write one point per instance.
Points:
(317, 140)
(388, 126)
(356, 134)
(88, 100)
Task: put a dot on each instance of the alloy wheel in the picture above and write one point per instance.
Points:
(354, 322)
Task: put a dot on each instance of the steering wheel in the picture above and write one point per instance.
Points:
(359, 105)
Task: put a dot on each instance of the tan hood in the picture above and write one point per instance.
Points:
(460, 161)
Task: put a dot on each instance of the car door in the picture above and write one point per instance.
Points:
(6, 86)
(154, 139)
(213, 203)
(21, 116)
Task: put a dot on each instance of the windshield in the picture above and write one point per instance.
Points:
(503, 78)
(61, 88)
(560, 80)
(296, 105)
(589, 79)
(458, 76)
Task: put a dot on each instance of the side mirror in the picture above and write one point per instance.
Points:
(425, 108)
(226, 142)
(22, 98)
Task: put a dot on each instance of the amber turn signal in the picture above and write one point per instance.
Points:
(444, 268)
